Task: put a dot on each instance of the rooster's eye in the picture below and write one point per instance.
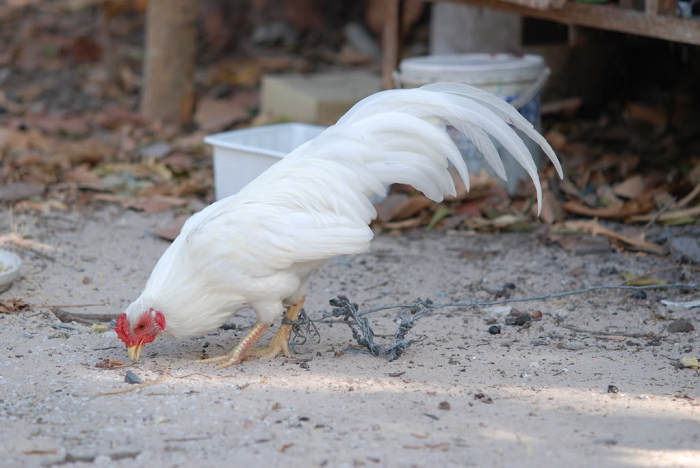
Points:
(141, 327)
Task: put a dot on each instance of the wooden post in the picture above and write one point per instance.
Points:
(171, 41)
(391, 41)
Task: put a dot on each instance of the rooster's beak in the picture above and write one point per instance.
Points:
(134, 351)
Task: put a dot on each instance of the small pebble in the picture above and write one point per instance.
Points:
(520, 320)
(608, 271)
(132, 378)
(304, 365)
(26, 334)
(445, 406)
(536, 315)
(681, 326)
(612, 389)
(494, 329)
(640, 295)
(606, 439)
(509, 285)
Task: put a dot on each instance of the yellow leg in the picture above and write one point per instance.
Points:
(280, 343)
(240, 351)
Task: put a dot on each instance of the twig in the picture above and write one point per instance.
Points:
(89, 319)
(162, 377)
(604, 333)
(657, 215)
(68, 306)
(193, 373)
(690, 197)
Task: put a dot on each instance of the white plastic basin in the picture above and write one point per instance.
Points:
(242, 155)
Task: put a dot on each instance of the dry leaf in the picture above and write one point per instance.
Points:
(82, 151)
(9, 306)
(173, 230)
(632, 280)
(556, 140)
(412, 206)
(656, 116)
(387, 209)
(84, 177)
(632, 187)
(108, 364)
(214, 115)
(550, 208)
(594, 228)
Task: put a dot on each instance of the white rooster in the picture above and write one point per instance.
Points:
(259, 246)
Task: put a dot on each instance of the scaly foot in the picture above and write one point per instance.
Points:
(241, 350)
(280, 343)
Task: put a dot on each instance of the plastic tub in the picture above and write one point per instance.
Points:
(10, 264)
(242, 155)
(517, 79)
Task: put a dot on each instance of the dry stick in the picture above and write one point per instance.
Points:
(657, 215)
(604, 333)
(88, 319)
(688, 198)
(162, 377)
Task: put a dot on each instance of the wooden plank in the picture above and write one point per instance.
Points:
(391, 42)
(539, 4)
(607, 17)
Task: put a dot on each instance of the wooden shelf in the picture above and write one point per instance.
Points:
(609, 17)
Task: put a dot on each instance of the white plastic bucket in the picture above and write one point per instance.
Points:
(517, 79)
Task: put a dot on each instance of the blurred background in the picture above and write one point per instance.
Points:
(108, 101)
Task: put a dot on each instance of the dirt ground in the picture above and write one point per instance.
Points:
(530, 396)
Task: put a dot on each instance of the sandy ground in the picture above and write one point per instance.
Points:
(534, 396)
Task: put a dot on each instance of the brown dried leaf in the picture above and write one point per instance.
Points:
(556, 140)
(71, 125)
(83, 151)
(569, 188)
(108, 364)
(84, 177)
(9, 306)
(551, 211)
(172, 231)
(214, 115)
(412, 206)
(179, 162)
(631, 188)
(654, 115)
(594, 228)
(17, 140)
